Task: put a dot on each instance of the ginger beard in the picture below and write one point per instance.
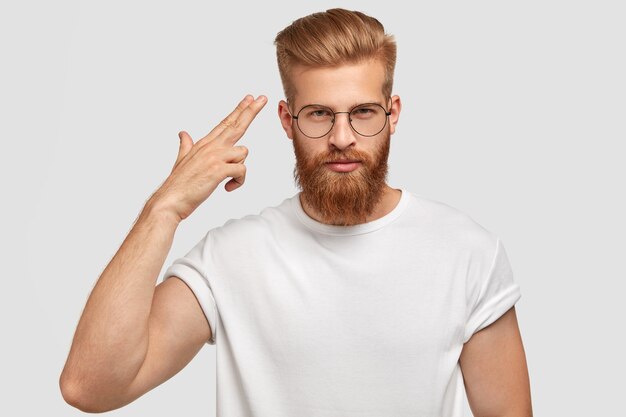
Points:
(342, 198)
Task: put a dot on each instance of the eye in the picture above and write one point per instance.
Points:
(318, 113)
(365, 112)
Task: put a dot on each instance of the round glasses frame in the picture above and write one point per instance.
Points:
(387, 114)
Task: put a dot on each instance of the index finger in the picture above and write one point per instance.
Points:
(228, 120)
(234, 132)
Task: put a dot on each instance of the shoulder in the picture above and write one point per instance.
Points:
(252, 227)
(454, 226)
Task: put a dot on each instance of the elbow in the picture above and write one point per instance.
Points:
(73, 395)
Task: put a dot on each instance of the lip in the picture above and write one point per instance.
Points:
(343, 161)
(343, 166)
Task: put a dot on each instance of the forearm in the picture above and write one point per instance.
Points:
(111, 339)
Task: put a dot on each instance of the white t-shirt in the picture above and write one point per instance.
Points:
(316, 320)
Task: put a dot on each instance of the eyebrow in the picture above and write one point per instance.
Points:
(354, 104)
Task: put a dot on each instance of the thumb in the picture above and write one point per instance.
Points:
(186, 143)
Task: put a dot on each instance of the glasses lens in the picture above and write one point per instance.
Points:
(368, 119)
(315, 121)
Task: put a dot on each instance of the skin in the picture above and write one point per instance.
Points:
(342, 198)
(493, 361)
(114, 361)
(495, 370)
(133, 336)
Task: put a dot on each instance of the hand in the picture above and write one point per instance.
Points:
(201, 167)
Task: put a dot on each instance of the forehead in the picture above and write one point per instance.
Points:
(339, 87)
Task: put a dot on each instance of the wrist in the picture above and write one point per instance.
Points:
(160, 212)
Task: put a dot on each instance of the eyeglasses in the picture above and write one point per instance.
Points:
(315, 120)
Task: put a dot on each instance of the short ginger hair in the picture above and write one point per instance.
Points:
(332, 38)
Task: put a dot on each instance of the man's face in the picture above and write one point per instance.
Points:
(341, 197)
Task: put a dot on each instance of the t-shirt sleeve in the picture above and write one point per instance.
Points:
(492, 296)
(191, 269)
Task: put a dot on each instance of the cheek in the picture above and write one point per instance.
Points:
(377, 152)
(301, 148)
(301, 142)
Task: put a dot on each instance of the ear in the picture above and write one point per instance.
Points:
(396, 106)
(285, 118)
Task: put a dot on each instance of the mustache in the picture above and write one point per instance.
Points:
(334, 156)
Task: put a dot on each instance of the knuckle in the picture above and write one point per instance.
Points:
(238, 127)
(213, 161)
(208, 155)
(227, 122)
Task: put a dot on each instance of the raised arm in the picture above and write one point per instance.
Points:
(128, 339)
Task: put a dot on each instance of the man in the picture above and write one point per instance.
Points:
(348, 298)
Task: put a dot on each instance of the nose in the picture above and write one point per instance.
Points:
(341, 135)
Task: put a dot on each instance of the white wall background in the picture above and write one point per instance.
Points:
(512, 112)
